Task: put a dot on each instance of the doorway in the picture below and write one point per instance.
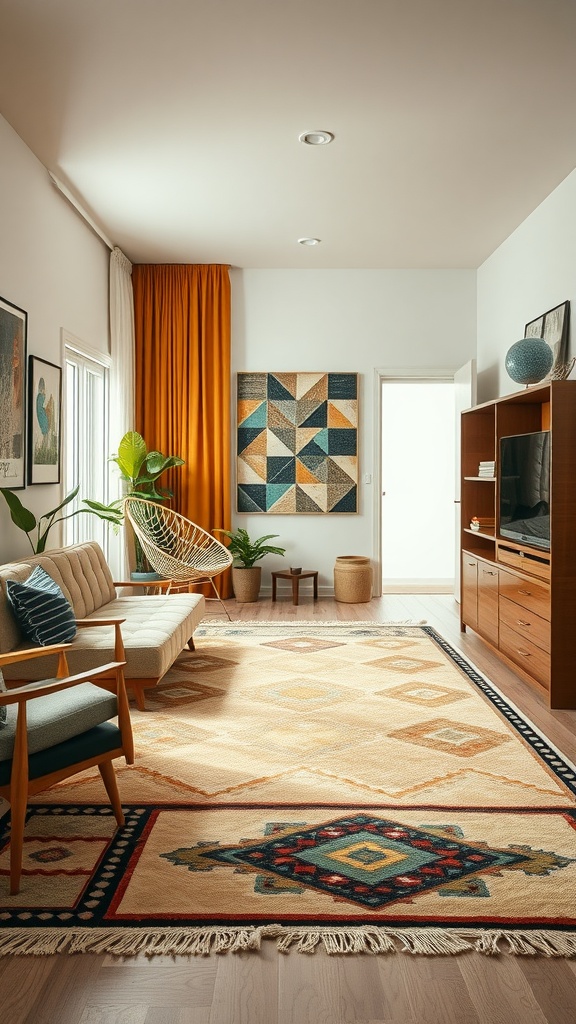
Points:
(418, 446)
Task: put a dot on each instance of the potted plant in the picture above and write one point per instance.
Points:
(246, 576)
(140, 470)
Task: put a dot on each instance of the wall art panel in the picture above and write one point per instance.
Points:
(297, 446)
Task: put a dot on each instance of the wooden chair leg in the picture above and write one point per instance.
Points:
(17, 822)
(191, 644)
(106, 770)
(138, 694)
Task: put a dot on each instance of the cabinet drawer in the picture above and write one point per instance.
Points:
(525, 622)
(488, 601)
(527, 594)
(531, 658)
(469, 595)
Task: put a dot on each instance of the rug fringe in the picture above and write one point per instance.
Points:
(125, 942)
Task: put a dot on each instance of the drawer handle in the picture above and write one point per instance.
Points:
(489, 572)
(525, 654)
(526, 593)
(472, 564)
(522, 622)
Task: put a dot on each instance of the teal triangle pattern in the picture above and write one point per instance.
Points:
(256, 419)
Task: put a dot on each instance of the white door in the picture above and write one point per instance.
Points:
(418, 440)
(464, 398)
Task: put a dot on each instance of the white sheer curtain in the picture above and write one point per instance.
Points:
(121, 380)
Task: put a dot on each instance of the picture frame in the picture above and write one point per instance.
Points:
(44, 421)
(13, 341)
(554, 327)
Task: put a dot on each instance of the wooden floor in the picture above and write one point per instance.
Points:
(271, 988)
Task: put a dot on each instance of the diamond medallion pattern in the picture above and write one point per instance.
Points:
(452, 737)
(302, 644)
(424, 694)
(367, 860)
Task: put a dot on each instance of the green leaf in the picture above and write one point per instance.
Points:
(156, 463)
(109, 517)
(115, 507)
(69, 497)
(21, 517)
(132, 452)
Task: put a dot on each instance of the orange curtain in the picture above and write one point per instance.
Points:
(182, 401)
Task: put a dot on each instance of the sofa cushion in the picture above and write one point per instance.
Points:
(82, 573)
(156, 629)
(10, 635)
(58, 717)
(41, 610)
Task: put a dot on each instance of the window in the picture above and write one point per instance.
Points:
(86, 446)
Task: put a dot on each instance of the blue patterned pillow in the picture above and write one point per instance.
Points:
(41, 610)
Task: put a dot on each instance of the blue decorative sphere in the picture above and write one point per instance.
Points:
(529, 360)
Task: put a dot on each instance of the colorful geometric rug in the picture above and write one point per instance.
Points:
(355, 785)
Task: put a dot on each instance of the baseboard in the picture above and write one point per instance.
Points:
(414, 587)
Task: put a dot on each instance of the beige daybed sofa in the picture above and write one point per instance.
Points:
(156, 627)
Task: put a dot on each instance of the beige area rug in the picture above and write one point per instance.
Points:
(351, 784)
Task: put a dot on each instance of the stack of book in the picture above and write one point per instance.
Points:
(486, 469)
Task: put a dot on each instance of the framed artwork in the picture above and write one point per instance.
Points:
(13, 329)
(297, 443)
(44, 413)
(553, 326)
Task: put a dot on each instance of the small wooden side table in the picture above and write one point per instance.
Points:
(295, 577)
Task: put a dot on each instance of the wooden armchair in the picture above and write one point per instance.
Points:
(56, 728)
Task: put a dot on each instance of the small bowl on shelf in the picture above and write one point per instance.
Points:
(296, 572)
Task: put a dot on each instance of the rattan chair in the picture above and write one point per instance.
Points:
(175, 547)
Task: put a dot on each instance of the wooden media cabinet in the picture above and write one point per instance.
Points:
(521, 598)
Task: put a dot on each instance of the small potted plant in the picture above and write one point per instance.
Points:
(246, 576)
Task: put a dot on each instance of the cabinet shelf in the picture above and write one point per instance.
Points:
(488, 479)
(480, 533)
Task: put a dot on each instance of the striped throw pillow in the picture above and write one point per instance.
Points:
(41, 610)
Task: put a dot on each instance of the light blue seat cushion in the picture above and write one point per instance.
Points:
(58, 717)
(42, 612)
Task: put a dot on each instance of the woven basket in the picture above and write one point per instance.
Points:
(353, 579)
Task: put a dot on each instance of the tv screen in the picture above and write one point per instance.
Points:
(524, 474)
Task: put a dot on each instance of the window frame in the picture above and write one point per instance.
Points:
(85, 358)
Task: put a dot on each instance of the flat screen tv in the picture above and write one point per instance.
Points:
(524, 475)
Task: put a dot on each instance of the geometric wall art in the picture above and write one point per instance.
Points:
(297, 446)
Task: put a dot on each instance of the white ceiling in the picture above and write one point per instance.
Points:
(176, 123)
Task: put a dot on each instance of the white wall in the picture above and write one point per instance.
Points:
(53, 266)
(346, 320)
(531, 272)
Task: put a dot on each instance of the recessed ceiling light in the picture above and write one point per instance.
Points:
(309, 241)
(316, 138)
